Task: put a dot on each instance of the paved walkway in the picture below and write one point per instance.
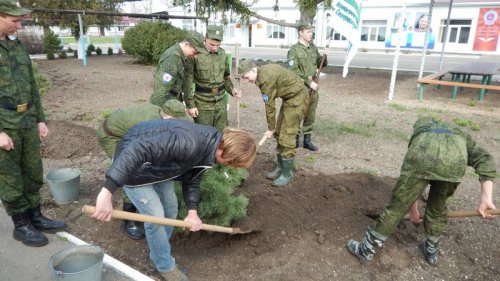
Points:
(18, 262)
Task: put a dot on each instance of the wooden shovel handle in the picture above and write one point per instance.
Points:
(470, 213)
(157, 220)
(262, 141)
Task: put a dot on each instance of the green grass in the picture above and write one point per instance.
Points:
(88, 117)
(467, 123)
(429, 111)
(367, 171)
(310, 159)
(106, 113)
(397, 107)
(93, 40)
(332, 130)
(396, 134)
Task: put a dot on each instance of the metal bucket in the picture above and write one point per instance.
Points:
(64, 185)
(79, 263)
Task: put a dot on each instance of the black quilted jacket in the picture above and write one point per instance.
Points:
(157, 150)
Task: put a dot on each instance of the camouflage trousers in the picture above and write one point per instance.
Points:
(21, 171)
(310, 117)
(212, 111)
(287, 124)
(407, 191)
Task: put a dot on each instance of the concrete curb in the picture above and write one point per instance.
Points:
(109, 261)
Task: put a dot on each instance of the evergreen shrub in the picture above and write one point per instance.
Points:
(51, 43)
(62, 54)
(42, 81)
(110, 51)
(148, 40)
(219, 205)
(98, 51)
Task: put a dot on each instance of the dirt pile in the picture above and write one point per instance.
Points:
(67, 140)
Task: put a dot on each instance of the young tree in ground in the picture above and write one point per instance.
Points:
(218, 204)
(51, 44)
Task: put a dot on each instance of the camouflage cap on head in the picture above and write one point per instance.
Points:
(12, 8)
(304, 26)
(245, 66)
(175, 109)
(215, 32)
(196, 40)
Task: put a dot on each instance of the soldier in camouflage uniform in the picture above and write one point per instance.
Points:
(210, 73)
(275, 82)
(116, 126)
(22, 125)
(169, 75)
(438, 154)
(304, 59)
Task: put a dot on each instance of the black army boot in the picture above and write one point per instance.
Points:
(366, 249)
(43, 223)
(26, 233)
(286, 174)
(132, 228)
(308, 144)
(277, 170)
(430, 249)
(297, 141)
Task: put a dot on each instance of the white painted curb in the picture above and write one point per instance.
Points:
(109, 261)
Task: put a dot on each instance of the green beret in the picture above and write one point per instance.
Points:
(12, 8)
(196, 40)
(304, 26)
(215, 32)
(175, 109)
(245, 66)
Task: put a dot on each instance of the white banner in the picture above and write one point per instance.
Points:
(346, 20)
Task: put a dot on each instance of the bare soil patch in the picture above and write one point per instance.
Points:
(303, 227)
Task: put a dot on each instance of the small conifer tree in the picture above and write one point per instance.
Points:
(219, 205)
(51, 44)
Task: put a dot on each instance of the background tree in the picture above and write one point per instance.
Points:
(70, 20)
(241, 10)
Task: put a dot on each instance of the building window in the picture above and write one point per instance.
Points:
(275, 31)
(458, 31)
(373, 30)
(229, 32)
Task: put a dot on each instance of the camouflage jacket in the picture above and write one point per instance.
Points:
(207, 70)
(121, 120)
(274, 82)
(18, 86)
(304, 61)
(169, 76)
(441, 151)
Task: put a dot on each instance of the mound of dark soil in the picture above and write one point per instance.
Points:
(69, 140)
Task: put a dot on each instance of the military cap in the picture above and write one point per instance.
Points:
(175, 109)
(304, 26)
(215, 32)
(245, 66)
(12, 8)
(196, 40)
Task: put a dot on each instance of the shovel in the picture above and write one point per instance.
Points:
(451, 214)
(261, 142)
(165, 221)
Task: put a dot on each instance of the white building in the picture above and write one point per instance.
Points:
(474, 25)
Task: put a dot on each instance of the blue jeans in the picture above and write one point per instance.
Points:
(157, 200)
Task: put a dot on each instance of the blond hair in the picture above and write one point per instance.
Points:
(238, 148)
